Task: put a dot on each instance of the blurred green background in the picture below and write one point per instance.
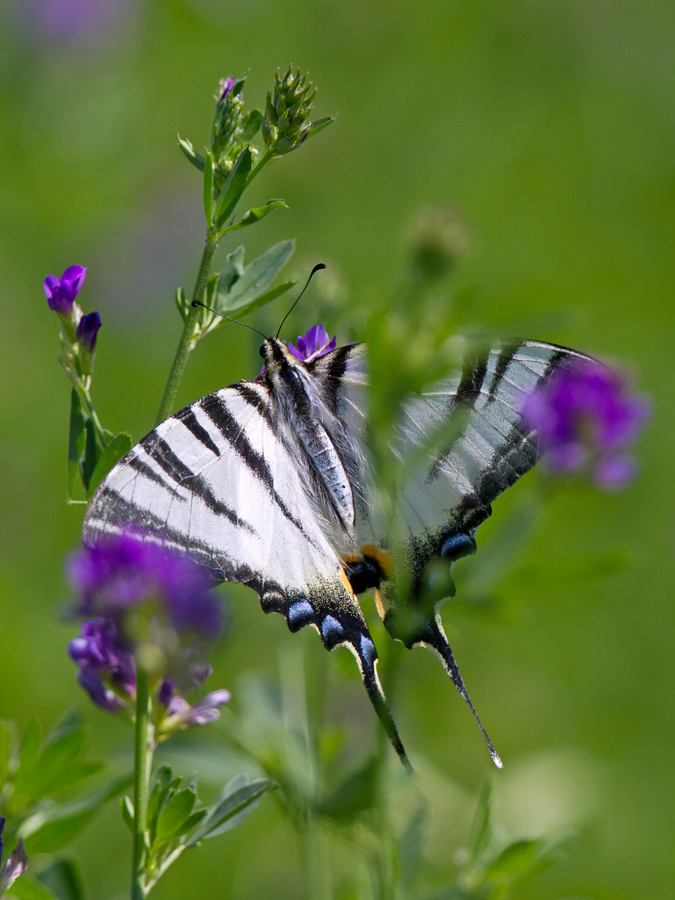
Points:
(550, 128)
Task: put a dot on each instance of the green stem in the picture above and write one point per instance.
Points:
(142, 765)
(189, 331)
(85, 400)
(267, 157)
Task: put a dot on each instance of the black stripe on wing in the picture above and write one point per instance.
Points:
(161, 453)
(234, 433)
(120, 514)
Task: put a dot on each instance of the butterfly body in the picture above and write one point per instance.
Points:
(267, 482)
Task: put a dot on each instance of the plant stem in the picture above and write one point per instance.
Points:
(189, 330)
(85, 400)
(142, 765)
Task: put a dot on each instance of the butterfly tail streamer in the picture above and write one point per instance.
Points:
(436, 640)
(366, 656)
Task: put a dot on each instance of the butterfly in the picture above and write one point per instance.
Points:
(268, 482)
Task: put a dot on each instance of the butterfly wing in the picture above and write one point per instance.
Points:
(218, 482)
(466, 441)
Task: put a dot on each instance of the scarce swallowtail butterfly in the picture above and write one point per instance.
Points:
(266, 482)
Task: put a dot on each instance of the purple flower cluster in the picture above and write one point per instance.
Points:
(61, 292)
(586, 420)
(131, 576)
(315, 343)
(129, 570)
(107, 672)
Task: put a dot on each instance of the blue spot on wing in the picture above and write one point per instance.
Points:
(299, 614)
(331, 631)
(368, 651)
(457, 545)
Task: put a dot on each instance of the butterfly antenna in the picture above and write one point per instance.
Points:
(311, 275)
(196, 303)
(437, 640)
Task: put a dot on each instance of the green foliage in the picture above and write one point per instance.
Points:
(176, 821)
(42, 798)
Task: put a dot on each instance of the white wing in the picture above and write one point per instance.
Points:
(219, 482)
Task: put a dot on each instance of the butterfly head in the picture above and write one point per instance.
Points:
(277, 357)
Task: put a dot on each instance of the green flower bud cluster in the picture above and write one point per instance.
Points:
(286, 122)
(227, 120)
(227, 129)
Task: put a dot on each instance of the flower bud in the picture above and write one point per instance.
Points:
(286, 122)
(437, 238)
(87, 329)
(227, 120)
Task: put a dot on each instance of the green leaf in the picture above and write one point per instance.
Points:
(56, 756)
(24, 888)
(232, 270)
(515, 861)
(252, 123)
(182, 303)
(172, 820)
(208, 190)
(6, 748)
(76, 439)
(91, 454)
(197, 160)
(357, 793)
(319, 125)
(265, 298)
(248, 290)
(115, 450)
(64, 878)
(127, 810)
(234, 187)
(159, 786)
(50, 829)
(233, 803)
(255, 215)
(27, 770)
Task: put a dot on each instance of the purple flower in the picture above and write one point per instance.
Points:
(61, 292)
(586, 420)
(315, 343)
(181, 715)
(87, 330)
(106, 664)
(128, 570)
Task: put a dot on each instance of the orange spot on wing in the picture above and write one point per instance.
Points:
(382, 557)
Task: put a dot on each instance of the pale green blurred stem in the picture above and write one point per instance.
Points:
(88, 406)
(189, 330)
(318, 863)
(143, 750)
